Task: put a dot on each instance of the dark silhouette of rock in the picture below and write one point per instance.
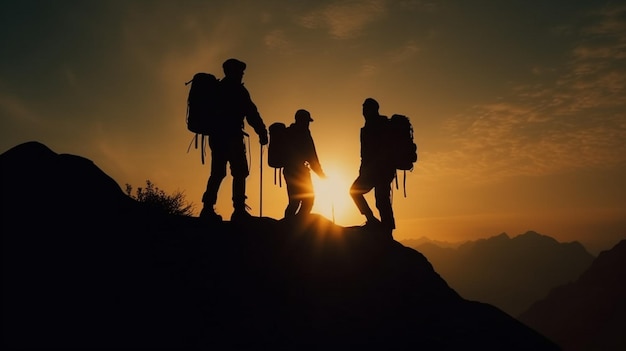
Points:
(589, 313)
(84, 265)
(509, 273)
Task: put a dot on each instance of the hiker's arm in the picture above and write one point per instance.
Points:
(261, 131)
(320, 173)
(314, 162)
(256, 122)
(315, 166)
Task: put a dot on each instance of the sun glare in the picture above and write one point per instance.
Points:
(332, 197)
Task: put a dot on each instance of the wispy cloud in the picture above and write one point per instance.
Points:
(405, 53)
(345, 19)
(16, 109)
(575, 120)
(368, 70)
(276, 40)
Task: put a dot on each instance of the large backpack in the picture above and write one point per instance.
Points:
(202, 108)
(402, 146)
(277, 148)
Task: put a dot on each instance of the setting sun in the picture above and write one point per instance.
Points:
(516, 112)
(332, 197)
(531, 137)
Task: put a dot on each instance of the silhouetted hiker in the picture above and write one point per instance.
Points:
(376, 171)
(301, 159)
(227, 146)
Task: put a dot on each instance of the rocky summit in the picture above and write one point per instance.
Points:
(84, 265)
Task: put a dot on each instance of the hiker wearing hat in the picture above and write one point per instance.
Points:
(227, 145)
(376, 171)
(301, 159)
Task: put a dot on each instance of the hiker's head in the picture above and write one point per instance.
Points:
(233, 67)
(370, 107)
(303, 117)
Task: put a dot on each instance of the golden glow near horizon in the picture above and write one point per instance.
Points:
(332, 198)
(519, 111)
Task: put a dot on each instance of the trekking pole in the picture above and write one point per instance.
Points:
(261, 185)
(332, 205)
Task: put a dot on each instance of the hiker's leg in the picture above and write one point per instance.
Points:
(218, 173)
(239, 171)
(307, 194)
(382, 194)
(293, 202)
(292, 208)
(360, 187)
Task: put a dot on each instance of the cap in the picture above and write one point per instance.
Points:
(371, 102)
(303, 115)
(233, 65)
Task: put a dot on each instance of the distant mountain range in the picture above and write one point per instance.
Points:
(424, 240)
(509, 273)
(589, 313)
(86, 266)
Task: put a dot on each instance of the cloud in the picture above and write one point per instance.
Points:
(368, 70)
(16, 109)
(405, 53)
(577, 120)
(70, 77)
(425, 6)
(611, 23)
(276, 40)
(345, 19)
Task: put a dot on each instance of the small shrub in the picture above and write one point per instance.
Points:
(158, 199)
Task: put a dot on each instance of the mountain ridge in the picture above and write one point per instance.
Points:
(84, 265)
(590, 312)
(508, 272)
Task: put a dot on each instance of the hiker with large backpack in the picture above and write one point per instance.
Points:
(402, 145)
(300, 159)
(377, 170)
(227, 141)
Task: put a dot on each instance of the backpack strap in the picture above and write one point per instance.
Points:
(278, 173)
(403, 181)
(204, 140)
(203, 146)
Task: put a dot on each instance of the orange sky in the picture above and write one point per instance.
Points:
(519, 111)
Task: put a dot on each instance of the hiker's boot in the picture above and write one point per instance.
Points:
(371, 221)
(387, 232)
(241, 214)
(208, 214)
(387, 227)
(372, 225)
